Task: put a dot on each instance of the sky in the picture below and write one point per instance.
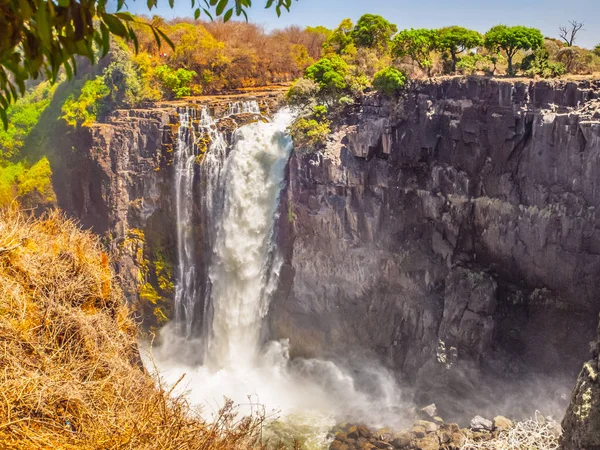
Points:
(547, 15)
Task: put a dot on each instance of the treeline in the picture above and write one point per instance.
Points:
(373, 54)
(227, 55)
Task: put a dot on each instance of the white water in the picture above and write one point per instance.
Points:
(241, 198)
(240, 267)
(187, 280)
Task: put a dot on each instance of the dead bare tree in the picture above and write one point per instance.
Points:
(570, 34)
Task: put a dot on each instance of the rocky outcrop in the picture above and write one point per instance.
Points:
(581, 424)
(453, 235)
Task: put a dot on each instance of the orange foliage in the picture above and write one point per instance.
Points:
(234, 54)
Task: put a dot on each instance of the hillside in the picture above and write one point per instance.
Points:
(71, 373)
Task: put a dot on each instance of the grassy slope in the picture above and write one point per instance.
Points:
(71, 376)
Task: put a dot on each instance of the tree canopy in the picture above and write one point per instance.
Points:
(39, 37)
(416, 44)
(455, 40)
(340, 38)
(512, 39)
(373, 31)
(328, 73)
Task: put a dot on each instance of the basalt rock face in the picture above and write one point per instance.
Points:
(117, 181)
(581, 423)
(453, 235)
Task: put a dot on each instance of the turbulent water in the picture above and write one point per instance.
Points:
(242, 189)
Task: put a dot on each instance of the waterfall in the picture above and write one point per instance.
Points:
(186, 288)
(242, 254)
(239, 192)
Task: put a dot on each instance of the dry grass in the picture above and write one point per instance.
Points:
(532, 434)
(70, 372)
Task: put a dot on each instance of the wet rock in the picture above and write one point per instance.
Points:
(428, 412)
(429, 442)
(581, 423)
(337, 445)
(402, 440)
(479, 423)
(364, 431)
(353, 432)
(418, 431)
(501, 423)
(429, 427)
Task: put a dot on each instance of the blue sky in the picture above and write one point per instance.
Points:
(546, 15)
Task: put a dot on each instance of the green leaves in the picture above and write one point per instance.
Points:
(43, 37)
(511, 39)
(416, 44)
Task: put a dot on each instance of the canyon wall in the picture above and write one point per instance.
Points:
(453, 235)
(450, 235)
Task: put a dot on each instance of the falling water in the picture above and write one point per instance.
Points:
(242, 253)
(186, 289)
(241, 194)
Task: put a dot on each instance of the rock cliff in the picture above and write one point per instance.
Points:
(450, 234)
(453, 235)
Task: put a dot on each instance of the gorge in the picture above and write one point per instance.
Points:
(449, 235)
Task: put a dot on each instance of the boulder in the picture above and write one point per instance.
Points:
(479, 423)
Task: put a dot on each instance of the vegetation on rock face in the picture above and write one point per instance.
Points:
(83, 110)
(310, 131)
(72, 376)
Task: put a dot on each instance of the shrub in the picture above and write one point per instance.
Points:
(303, 92)
(123, 80)
(539, 64)
(23, 116)
(34, 186)
(84, 110)
(309, 132)
(357, 84)
(176, 83)
(329, 73)
(389, 81)
(472, 64)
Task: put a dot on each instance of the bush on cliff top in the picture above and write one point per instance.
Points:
(389, 81)
(71, 375)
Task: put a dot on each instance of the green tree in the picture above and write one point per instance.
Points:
(39, 37)
(329, 73)
(340, 38)
(418, 45)
(175, 82)
(373, 31)
(389, 81)
(456, 40)
(512, 39)
(84, 110)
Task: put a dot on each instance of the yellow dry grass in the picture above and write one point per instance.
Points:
(70, 372)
